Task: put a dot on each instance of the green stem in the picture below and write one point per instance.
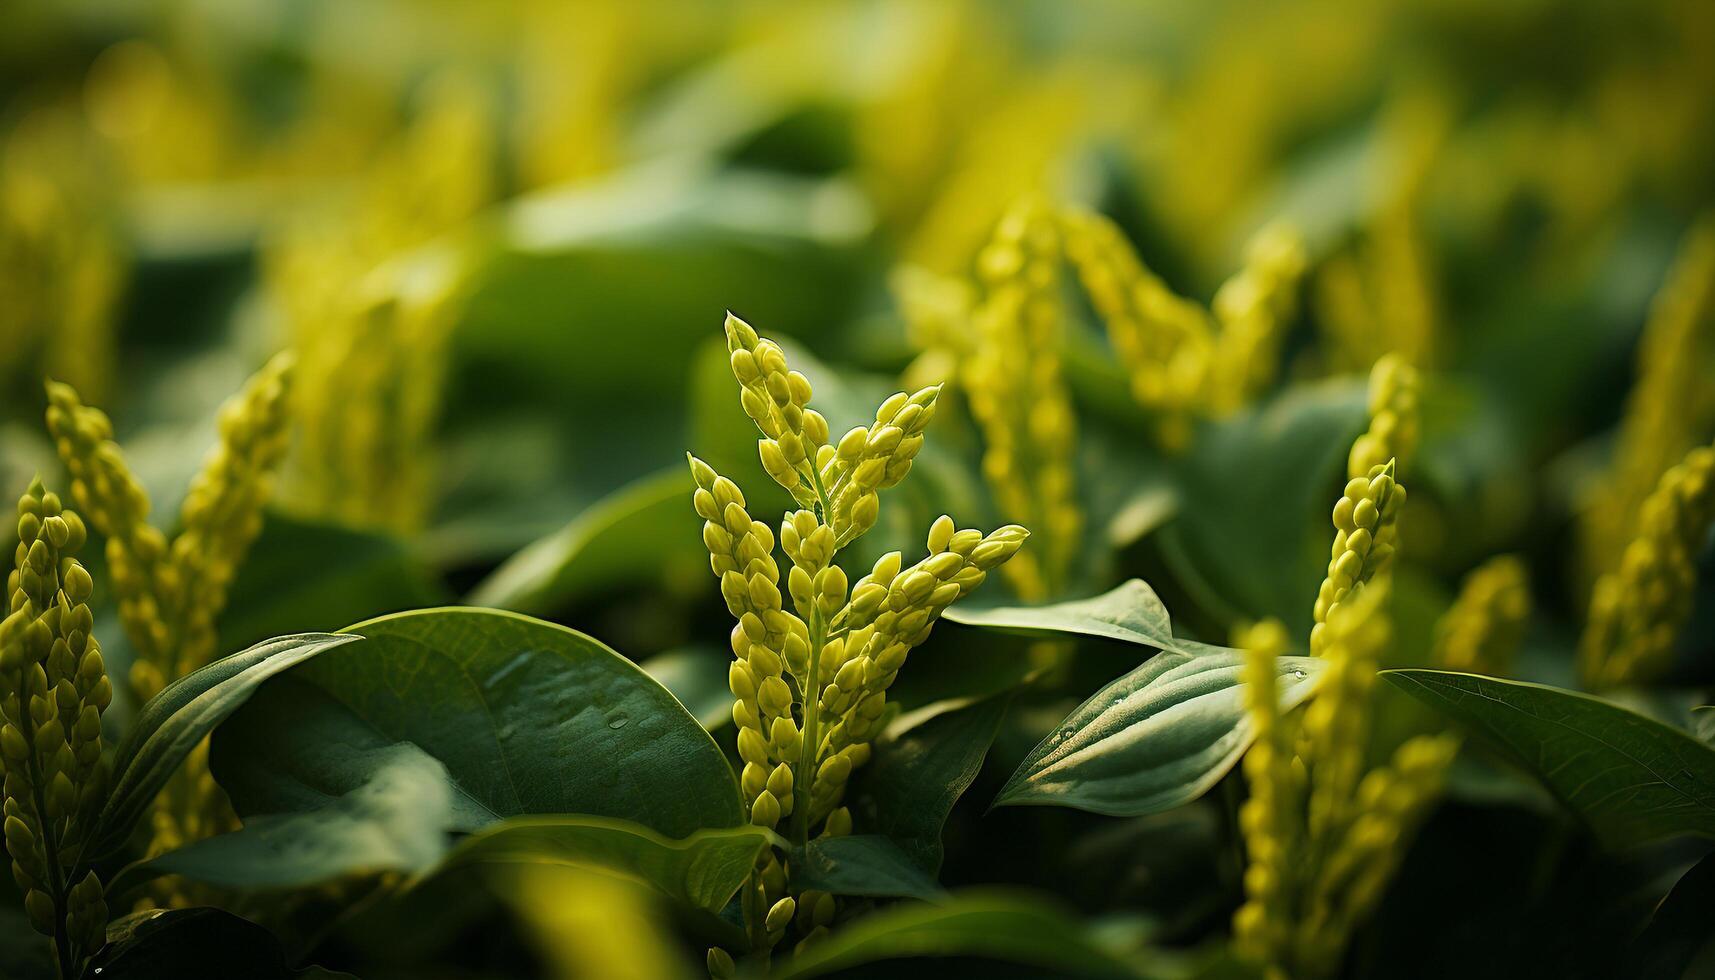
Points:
(806, 774)
(812, 695)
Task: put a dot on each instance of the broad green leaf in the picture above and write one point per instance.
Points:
(703, 870)
(999, 926)
(917, 776)
(1130, 613)
(1154, 739)
(526, 716)
(295, 749)
(643, 533)
(196, 942)
(867, 864)
(1632, 779)
(697, 676)
(400, 820)
(1252, 532)
(171, 724)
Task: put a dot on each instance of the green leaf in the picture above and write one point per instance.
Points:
(645, 532)
(703, 870)
(917, 776)
(996, 926)
(196, 942)
(399, 820)
(697, 676)
(1130, 613)
(526, 716)
(296, 749)
(1632, 779)
(1255, 491)
(1154, 739)
(171, 724)
(867, 864)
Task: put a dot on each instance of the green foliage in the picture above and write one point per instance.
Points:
(1632, 779)
(1156, 738)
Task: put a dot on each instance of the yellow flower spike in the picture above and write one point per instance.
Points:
(1639, 608)
(1336, 725)
(1262, 924)
(1482, 630)
(777, 399)
(875, 458)
(1254, 307)
(1393, 404)
(1018, 395)
(171, 593)
(799, 741)
(740, 556)
(1391, 803)
(53, 691)
(1365, 536)
(1165, 342)
(1668, 406)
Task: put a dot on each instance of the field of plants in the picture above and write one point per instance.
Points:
(649, 489)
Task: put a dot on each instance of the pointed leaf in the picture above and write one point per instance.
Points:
(527, 717)
(919, 774)
(1631, 778)
(1130, 613)
(1154, 739)
(867, 864)
(174, 721)
(635, 534)
(399, 820)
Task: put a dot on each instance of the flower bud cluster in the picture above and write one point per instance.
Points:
(777, 400)
(1639, 608)
(891, 611)
(810, 689)
(1322, 834)
(764, 641)
(1263, 923)
(1254, 307)
(1365, 536)
(1164, 341)
(1661, 421)
(872, 458)
(1482, 630)
(1394, 392)
(170, 593)
(53, 690)
(1018, 395)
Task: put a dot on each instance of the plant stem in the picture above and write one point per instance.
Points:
(807, 751)
(811, 692)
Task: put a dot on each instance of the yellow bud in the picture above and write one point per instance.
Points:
(765, 812)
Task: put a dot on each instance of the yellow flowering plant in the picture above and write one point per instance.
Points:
(810, 684)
